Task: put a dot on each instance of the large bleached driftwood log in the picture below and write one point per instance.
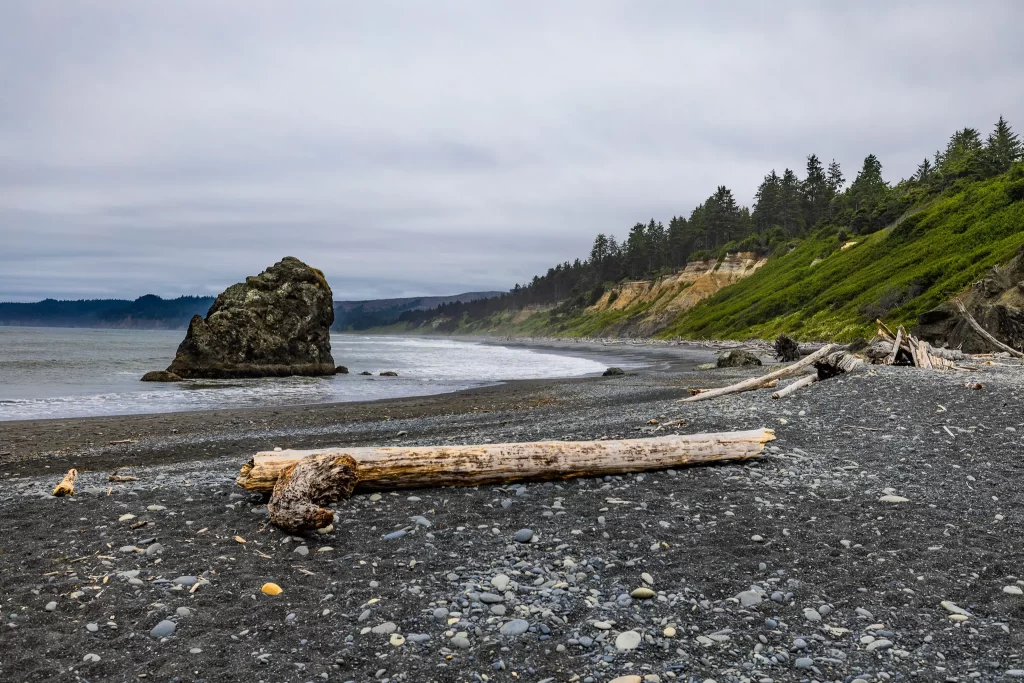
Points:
(304, 481)
(759, 382)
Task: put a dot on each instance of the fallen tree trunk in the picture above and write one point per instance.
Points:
(67, 485)
(795, 386)
(838, 363)
(389, 468)
(983, 332)
(758, 382)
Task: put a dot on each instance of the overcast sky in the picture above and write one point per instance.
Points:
(438, 147)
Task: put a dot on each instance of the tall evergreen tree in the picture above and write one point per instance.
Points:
(1002, 149)
(835, 178)
(791, 204)
(817, 192)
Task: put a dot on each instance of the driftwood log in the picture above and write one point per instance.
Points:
(786, 349)
(795, 386)
(67, 485)
(983, 332)
(837, 363)
(303, 482)
(759, 382)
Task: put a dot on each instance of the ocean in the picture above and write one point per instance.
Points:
(61, 372)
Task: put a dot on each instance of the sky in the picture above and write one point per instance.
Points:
(413, 148)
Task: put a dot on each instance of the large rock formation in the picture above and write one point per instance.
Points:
(996, 302)
(274, 324)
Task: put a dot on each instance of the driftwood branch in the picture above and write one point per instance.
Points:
(303, 482)
(67, 485)
(983, 332)
(759, 382)
(795, 386)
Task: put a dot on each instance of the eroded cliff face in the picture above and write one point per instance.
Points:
(657, 302)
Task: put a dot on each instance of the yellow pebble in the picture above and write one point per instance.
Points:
(271, 589)
(669, 632)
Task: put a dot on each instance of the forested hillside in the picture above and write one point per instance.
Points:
(839, 253)
(149, 311)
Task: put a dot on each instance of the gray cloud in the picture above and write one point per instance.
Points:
(430, 148)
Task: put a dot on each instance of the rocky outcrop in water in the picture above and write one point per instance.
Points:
(996, 302)
(274, 324)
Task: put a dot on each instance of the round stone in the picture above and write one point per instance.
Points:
(395, 535)
(1013, 590)
(627, 640)
(91, 658)
(515, 627)
(183, 612)
(803, 663)
(51, 606)
(164, 629)
(749, 598)
(460, 642)
(385, 628)
(669, 632)
(397, 640)
(757, 538)
(271, 589)
(92, 628)
(602, 625)
(524, 536)
(500, 582)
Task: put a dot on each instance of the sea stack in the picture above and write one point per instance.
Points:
(274, 324)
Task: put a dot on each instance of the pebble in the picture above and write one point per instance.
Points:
(524, 535)
(301, 550)
(642, 593)
(602, 625)
(1015, 673)
(92, 628)
(395, 535)
(811, 614)
(627, 679)
(953, 608)
(880, 644)
(155, 508)
(186, 581)
(385, 628)
(757, 538)
(91, 658)
(195, 650)
(627, 640)
(164, 629)
(500, 582)
(461, 642)
(669, 632)
(126, 517)
(440, 613)
(647, 578)
(183, 612)
(51, 606)
(397, 640)
(803, 663)
(515, 627)
(154, 549)
(1013, 590)
(889, 498)
(749, 598)
(418, 637)
(491, 598)
(271, 589)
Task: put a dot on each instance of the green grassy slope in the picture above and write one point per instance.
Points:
(896, 273)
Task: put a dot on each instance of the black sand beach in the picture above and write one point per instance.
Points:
(785, 568)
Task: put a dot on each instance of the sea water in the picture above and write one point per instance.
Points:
(60, 372)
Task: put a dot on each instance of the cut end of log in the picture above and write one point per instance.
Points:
(67, 486)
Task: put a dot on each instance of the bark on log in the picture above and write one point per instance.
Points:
(758, 382)
(795, 386)
(305, 486)
(381, 469)
(983, 332)
(67, 485)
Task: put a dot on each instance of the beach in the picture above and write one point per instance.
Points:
(886, 495)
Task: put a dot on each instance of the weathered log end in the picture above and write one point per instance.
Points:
(67, 485)
(304, 487)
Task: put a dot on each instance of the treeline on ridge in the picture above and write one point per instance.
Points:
(786, 209)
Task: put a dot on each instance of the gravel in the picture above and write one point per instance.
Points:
(917, 592)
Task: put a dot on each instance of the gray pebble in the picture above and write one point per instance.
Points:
(394, 535)
(803, 663)
(301, 550)
(460, 642)
(186, 580)
(154, 549)
(164, 629)
(524, 535)
(515, 627)
(92, 628)
(183, 612)
(50, 606)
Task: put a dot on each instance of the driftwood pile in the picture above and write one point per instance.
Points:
(903, 348)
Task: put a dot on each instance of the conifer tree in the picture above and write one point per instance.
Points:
(1002, 149)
